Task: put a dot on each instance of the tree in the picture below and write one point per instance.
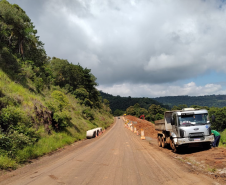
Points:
(76, 80)
(199, 107)
(155, 112)
(131, 111)
(106, 102)
(155, 109)
(220, 121)
(143, 111)
(179, 107)
(118, 112)
(159, 116)
(20, 48)
(81, 94)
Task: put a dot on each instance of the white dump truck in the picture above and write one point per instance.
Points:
(93, 133)
(184, 128)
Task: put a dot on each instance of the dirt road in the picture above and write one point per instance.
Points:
(116, 157)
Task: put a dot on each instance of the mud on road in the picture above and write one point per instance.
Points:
(211, 162)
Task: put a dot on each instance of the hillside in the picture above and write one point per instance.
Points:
(45, 103)
(122, 103)
(208, 100)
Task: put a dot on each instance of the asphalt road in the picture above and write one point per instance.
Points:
(116, 157)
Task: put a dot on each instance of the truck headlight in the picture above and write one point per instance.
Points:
(211, 138)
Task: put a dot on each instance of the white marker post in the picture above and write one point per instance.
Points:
(142, 134)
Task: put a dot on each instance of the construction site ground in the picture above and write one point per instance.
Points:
(211, 162)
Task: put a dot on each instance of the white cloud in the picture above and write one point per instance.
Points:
(141, 90)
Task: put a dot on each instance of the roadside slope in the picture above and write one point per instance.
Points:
(29, 127)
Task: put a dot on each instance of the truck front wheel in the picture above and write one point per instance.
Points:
(206, 146)
(172, 145)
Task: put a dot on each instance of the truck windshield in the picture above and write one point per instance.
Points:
(194, 119)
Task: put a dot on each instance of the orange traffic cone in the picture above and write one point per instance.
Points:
(142, 134)
(135, 130)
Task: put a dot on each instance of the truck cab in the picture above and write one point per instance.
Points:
(191, 126)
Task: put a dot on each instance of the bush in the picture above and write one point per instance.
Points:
(81, 94)
(4, 101)
(223, 138)
(39, 84)
(88, 103)
(6, 163)
(62, 118)
(10, 116)
(159, 116)
(59, 107)
(88, 114)
(17, 131)
(60, 101)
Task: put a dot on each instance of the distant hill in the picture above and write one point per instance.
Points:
(207, 100)
(122, 103)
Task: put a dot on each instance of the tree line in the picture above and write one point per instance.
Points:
(154, 112)
(119, 104)
(207, 100)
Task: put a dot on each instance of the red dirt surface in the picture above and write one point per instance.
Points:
(212, 161)
(148, 127)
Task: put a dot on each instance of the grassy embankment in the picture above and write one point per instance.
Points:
(47, 142)
(223, 139)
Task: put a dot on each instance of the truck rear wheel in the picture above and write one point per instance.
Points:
(159, 141)
(163, 143)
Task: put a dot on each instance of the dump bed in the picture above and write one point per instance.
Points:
(164, 124)
(160, 124)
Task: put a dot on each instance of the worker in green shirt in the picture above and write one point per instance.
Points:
(217, 137)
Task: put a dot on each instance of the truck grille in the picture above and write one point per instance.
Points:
(197, 135)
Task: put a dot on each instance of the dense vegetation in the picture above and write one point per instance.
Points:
(45, 102)
(119, 104)
(154, 112)
(207, 100)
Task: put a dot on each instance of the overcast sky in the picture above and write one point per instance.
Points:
(138, 48)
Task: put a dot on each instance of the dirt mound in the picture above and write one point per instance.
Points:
(148, 127)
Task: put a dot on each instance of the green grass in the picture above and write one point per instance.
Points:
(223, 139)
(44, 145)
(7, 163)
(212, 170)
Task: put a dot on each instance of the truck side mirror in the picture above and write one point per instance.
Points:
(213, 118)
(172, 121)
